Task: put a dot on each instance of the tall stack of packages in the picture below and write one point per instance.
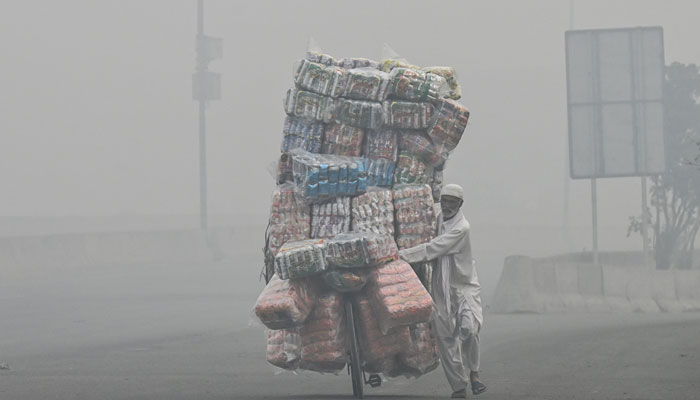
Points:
(363, 150)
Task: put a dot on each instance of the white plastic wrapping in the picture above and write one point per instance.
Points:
(418, 144)
(359, 113)
(301, 259)
(304, 104)
(416, 222)
(449, 123)
(416, 85)
(360, 249)
(319, 177)
(342, 140)
(410, 169)
(302, 133)
(381, 143)
(374, 211)
(401, 114)
(330, 217)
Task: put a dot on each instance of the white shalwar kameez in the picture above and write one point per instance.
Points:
(457, 318)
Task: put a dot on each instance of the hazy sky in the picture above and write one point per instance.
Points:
(97, 116)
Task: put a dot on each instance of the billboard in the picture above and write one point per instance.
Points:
(614, 80)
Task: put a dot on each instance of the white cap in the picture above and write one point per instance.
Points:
(454, 190)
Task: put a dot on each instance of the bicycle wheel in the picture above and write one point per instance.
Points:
(355, 368)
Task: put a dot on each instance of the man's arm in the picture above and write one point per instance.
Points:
(443, 245)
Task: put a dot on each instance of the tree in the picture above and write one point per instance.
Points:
(675, 195)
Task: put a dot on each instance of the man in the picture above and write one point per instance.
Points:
(455, 288)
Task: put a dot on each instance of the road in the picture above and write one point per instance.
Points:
(178, 332)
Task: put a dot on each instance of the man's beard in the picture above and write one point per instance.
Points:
(449, 214)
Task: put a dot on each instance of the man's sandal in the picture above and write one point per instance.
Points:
(478, 388)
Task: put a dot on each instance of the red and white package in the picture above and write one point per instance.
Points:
(397, 296)
(323, 338)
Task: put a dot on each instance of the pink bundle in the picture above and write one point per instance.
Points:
(397, 296)
(323, 336)
(378, 350)
(419, 354)
(415, 216)
(286, 303)
(289, 220)
(283, 348)
(449, 122)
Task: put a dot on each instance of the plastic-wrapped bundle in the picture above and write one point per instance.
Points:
(343, 140)
(378, 351)
(449, 123)
(419, 353)
(414, 214)
(283, 348)
(389, 64)
(321, 79)
(302, 133)
(397, 296)
(330, 218)
(350, 63)
(289, 220)
(301, 258)
(380, 171)
(374, 211)
(381, 143)
(407, 115)
(436, 184)
(318, 177)
(284, 169)
(359, 113)
(410, 169)
(420, 146)
(285, 304)
(323, 340)
(450, 75)
(366, 84)
(361, 249)
(303, 104)
(321, 58)
(416, 85)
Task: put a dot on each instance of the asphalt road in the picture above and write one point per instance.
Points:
(165, 332)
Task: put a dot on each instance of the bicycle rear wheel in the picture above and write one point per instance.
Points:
(354, 362)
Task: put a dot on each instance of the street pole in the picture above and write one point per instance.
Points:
(201, 72)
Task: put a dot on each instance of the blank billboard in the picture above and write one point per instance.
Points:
(615, 102)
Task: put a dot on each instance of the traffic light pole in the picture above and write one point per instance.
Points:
(201, 72)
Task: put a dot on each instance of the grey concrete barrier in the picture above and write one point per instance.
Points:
(515, 291)
(590, 286)
(568, 287)
(558, 284)
(688, 289)
(664, 291)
